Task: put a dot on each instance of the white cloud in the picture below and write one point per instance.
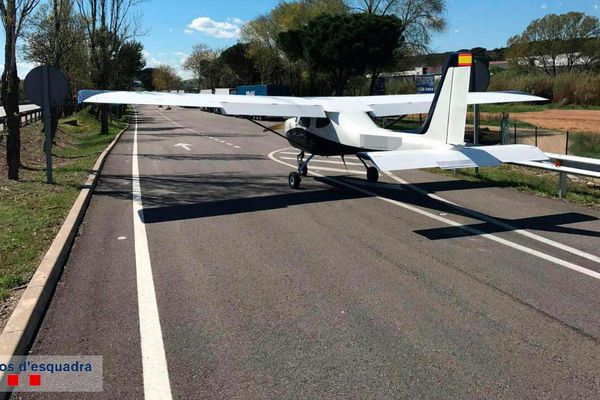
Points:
(544, 6)
(176, 63)
(229, 29)
(151, 61)
(182, 56)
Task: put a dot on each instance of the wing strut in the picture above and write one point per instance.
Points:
(272, 130)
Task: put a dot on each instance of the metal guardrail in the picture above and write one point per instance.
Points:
(27, 118)
(567, 165)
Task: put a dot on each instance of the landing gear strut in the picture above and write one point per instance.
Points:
(294, 178)
(372, 172)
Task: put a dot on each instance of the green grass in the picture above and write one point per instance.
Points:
(31, 212)
(530, 180)
(518, 107)
(584, 145)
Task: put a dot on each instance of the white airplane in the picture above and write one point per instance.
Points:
(339, 126)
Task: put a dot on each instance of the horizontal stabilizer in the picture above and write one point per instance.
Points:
(457, 157)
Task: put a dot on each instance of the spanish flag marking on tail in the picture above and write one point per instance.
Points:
(465, 59)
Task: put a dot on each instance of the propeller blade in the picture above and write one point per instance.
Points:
(275, 127)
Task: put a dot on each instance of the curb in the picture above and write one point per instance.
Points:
(27, 316)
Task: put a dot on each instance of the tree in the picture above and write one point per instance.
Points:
(109, 24)
(241, 66)
(261, 34)
(129, 62)
(145, 76)
(419, 19)
(14, 15)
(55, 36)
(556, 42)
(345, 45)
(202, 65)
(164, 78)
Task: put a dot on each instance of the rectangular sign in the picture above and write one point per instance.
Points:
(425, 84)
(51, 374)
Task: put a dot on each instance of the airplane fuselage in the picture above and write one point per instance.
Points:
(350, 133)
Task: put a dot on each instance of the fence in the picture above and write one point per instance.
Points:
(33, 113)
(567, 143)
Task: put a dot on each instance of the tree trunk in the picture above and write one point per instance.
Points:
(104, 114)
(10, 100)
(340, 84)
(374, 76)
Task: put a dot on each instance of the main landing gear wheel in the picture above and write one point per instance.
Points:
(294, 180)
(372, 174)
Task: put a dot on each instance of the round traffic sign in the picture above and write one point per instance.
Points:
(58, 87)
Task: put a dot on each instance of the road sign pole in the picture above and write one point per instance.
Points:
(47, 123)
(476, 124)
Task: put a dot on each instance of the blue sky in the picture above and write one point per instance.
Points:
(174, 26)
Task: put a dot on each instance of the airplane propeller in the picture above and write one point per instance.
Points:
(274, 127)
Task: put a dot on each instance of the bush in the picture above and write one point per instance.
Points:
(585, 145)
(582, 88)
(401, 86)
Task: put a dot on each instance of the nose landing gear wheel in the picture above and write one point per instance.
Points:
(372, 174)
(294, 180)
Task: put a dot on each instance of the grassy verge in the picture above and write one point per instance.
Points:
(542, 183)
(31, 212)
(585, 145)
(520, 107)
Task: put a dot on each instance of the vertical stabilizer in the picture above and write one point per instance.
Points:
(446, 119)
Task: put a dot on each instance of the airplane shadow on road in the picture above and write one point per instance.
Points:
(181, 197)
(485, 223)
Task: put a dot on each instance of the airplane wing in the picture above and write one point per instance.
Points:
(271, 106)
(458, 157)
(404, 104)
(314, 107)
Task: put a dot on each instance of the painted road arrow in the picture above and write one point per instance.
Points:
(184, 145)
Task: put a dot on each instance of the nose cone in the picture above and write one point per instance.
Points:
(290, 124)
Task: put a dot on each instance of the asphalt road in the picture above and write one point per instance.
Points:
(341, 289)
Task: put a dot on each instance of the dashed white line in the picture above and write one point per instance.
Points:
(154, 361)
(450, 222)
(197, 133)
(320, 160)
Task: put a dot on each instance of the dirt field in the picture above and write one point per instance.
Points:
(586, 121)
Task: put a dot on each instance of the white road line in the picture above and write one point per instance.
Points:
(154, 361)
(336, 157)
(501, 224)
(350, 171)
(314, 160)
(450, 222)
(192, 131)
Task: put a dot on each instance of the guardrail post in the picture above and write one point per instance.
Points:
(515, 133)
(567, 144)
(562, 185)
(536, 136)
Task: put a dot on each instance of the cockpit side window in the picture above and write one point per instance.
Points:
(323, 122)
(305, 122)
